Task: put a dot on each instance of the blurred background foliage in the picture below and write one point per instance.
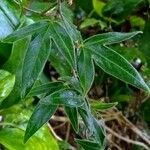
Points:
(91, 17)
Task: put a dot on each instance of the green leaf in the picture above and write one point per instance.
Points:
(69, 26)
(15, 66)
(11, 138)
(86, 69)
(98, 6)
(42, 113)
(35, 59)
(65, 97)
(72, 113)
(25, 31)
(7, 82)
(109, 38)
(114, 64)
(63, 42)
(102, 106)
(46, 88)
(89, 145)
(8, 21)
(59, 62)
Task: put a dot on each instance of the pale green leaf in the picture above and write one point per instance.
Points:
(7, 81)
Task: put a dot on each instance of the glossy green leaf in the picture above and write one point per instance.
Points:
(65, 97)
(27, 30)
(59, 62)
(35, 59)
(102, 106)
(63, 42)
(42, 113)
(8, 20)
(86, 69)
(69, 26)
(15, 66)
(114, 64)
(110, 38)
(72, 113)
(12, 139)
(46, 88)
(89, 145)
(7, 82)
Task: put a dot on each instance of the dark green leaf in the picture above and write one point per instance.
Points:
(86, 69)
(69, 26)
(89, 145)
(72, 113)
(25, 31)
(63, 42)
(110, 38)
(42, 113)
(46, 88)
(7, 82)
(35, 59)
(65, 97)
(59, 62)
(114, 64)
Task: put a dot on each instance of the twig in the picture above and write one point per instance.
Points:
(68, 132)
(53, 133)
(137, 131)
(59, 126)
(114, 144)
(127, 139)
(60, 119)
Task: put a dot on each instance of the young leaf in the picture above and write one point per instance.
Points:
(72, 113)
(63, 42)
(15, 66)
(66, 97)
(114, 64)
(86, 69)
(42, 113)
(110, 38)
(102, 106)
(7, 82)
(25, 31)
(46, 88)
(89, 145)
